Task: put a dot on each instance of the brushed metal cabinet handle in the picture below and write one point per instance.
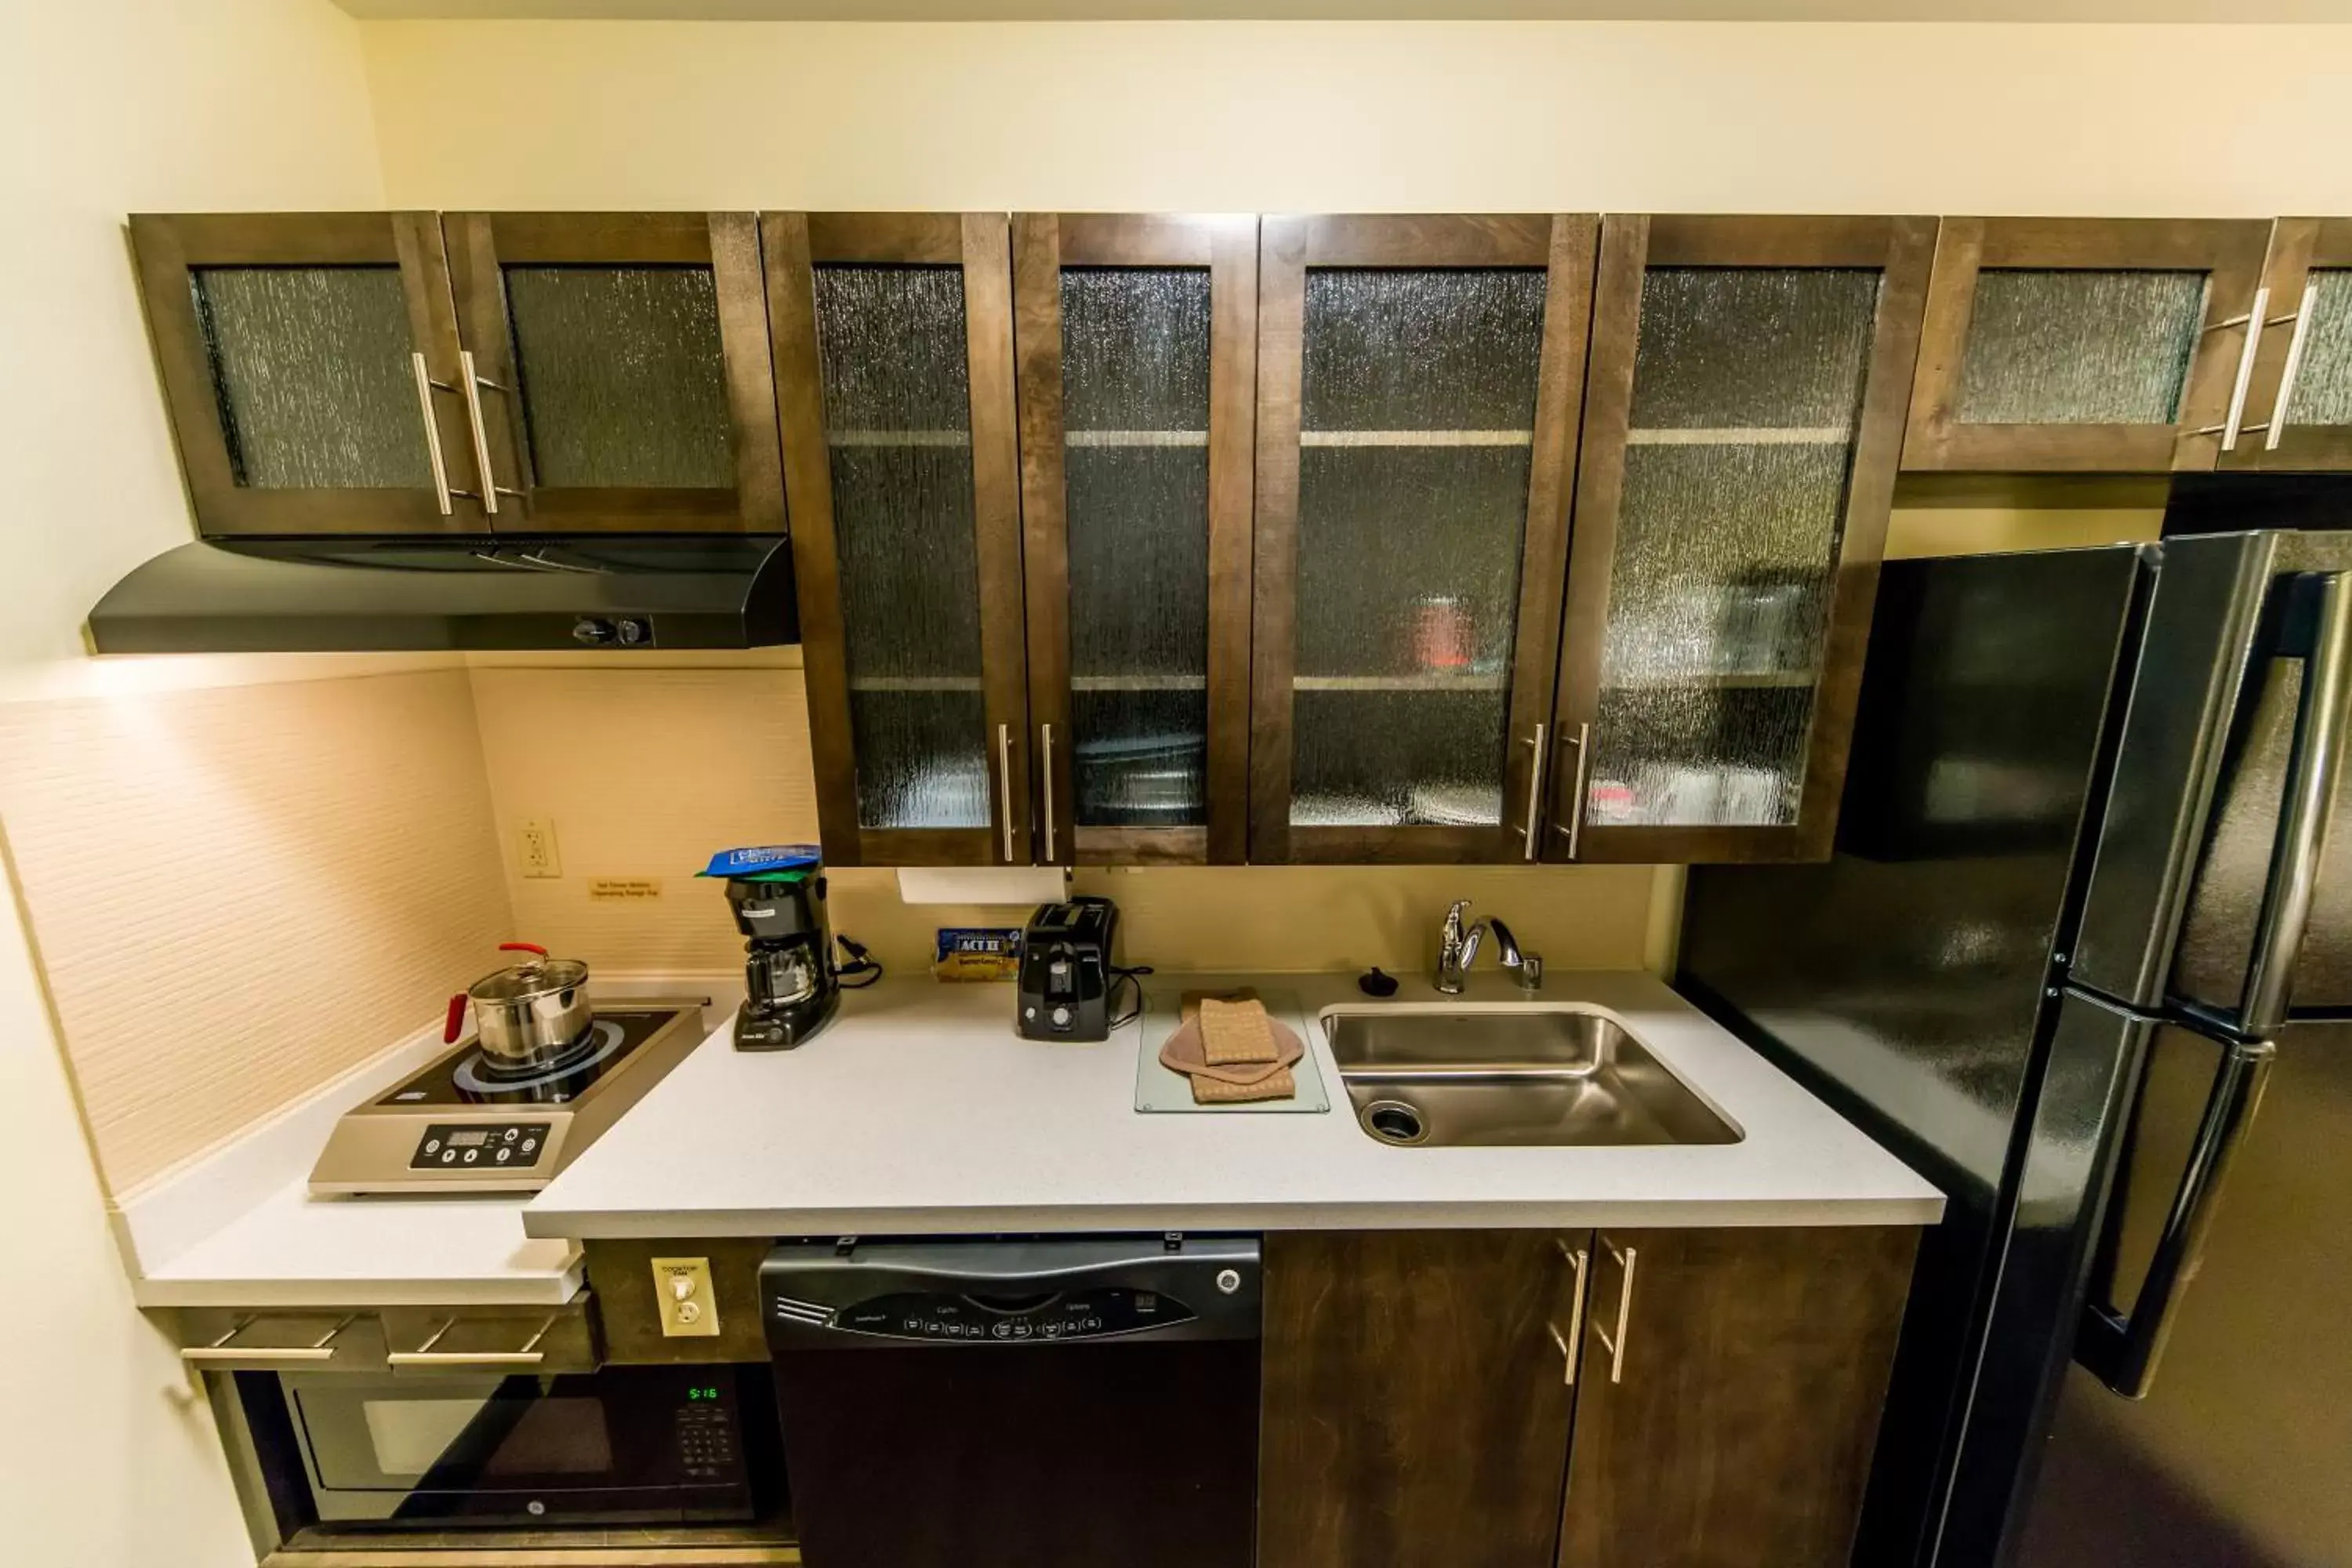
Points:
(425, 1355)
(1535, 792)
(432, 430)
(1581, 784)
(1577, 1259)
(2229, 429)
(1004, 784)
(1045, 764)
(471, 381)
(1614, 1343)
(2293, 368)
(317, 1350)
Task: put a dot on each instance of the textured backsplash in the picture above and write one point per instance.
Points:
(240, 891)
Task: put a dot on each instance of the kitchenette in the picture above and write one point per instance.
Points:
(796, 789)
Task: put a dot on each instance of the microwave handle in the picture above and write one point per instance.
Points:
(2315, 767)
(2121, 1348)
(425, 1355)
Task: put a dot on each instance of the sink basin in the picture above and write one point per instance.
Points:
(1511, 1075)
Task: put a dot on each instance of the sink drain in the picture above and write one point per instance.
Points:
(1393, 1121)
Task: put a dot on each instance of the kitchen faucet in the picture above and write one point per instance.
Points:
(1457, 948)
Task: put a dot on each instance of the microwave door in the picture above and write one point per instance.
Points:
(473, 1453)
(2268, 925)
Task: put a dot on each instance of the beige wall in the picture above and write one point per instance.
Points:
(1379, 116)
(107, 1458)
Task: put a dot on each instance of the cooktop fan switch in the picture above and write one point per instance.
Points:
(682, 1290)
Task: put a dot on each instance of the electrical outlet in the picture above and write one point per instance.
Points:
(535, 839)
(682, 1287)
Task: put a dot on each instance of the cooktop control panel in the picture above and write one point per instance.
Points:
(477, 1146)
(1074, 1315)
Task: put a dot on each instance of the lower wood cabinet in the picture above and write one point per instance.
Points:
(1728, 1395)
(1416, 1405)
(1721, 1409)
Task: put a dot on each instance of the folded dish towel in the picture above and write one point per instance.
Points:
(1231, 1050)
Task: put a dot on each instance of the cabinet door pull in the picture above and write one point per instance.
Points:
(1575, 1257)
(1614, 1343)
(1045, 765)
(2294, 346)
(1004, 784)
(431, 431)
(1535, 792)
(1573, 829)
(317, 1350)
(2229, 429)
(425, 1355)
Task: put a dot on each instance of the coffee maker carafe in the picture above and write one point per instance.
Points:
(788, 967)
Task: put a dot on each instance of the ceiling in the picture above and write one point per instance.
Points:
(1379, 10)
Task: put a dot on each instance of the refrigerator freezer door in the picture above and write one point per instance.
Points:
(2236, 1456)
(2227, 719)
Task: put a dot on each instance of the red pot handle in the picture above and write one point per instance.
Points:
(457, 1024)
(522, 947)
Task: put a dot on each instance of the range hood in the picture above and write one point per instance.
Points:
(282, 596)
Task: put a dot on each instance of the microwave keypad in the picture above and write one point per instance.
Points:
(476, 1147)
(706, 1442)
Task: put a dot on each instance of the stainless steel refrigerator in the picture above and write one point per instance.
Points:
(2083, 957)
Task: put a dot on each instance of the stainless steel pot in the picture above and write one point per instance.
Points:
(530, 1015)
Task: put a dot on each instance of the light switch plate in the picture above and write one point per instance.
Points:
(691, 1313)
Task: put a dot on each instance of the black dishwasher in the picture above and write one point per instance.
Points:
(1019, 1403)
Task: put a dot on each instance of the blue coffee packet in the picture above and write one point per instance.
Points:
(763, 860)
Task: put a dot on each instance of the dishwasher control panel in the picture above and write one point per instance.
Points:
(1077, 1315)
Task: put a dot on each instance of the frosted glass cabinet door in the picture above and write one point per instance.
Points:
(1742, 419)
(2117, 345)
(623, 371)
(1418, 397)
(894, 381)
(2299, 417)
(1136, 340)
(310, 363)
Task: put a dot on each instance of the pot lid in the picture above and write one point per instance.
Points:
(534, 977)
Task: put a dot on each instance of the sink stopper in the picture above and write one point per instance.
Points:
(1372, 983)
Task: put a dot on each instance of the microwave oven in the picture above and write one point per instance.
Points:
(625, 1445)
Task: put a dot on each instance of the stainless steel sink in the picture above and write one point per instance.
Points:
(1511, 1075)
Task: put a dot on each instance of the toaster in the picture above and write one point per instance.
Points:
(1065, 974)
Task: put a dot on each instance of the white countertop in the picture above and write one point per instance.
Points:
(919, 1111)
(238, 1227)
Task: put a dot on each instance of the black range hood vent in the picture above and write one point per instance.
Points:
(317, 595)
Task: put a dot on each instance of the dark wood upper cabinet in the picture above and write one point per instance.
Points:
(2298, 412)
(1729, 1394)
(893, 382)
(1419, 379)
(1416, 1397)
(2115, 346)
(1743, 416)
(622, 379)
(310, 363)
(1137, 345)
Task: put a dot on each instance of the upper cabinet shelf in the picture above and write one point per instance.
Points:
(407, 373)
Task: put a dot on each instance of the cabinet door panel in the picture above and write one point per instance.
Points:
(1416, 1406)
(2299, 417)
(1418, 398)
(625, 370)
(2085, 345)
(1737, 470)
(1728, 1395)
(893, 379)
(309, 364)
(1136, 353)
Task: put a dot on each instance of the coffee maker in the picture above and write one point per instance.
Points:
(788, 968)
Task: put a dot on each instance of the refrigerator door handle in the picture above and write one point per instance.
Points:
(2121, 1348)
(2315, 764)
